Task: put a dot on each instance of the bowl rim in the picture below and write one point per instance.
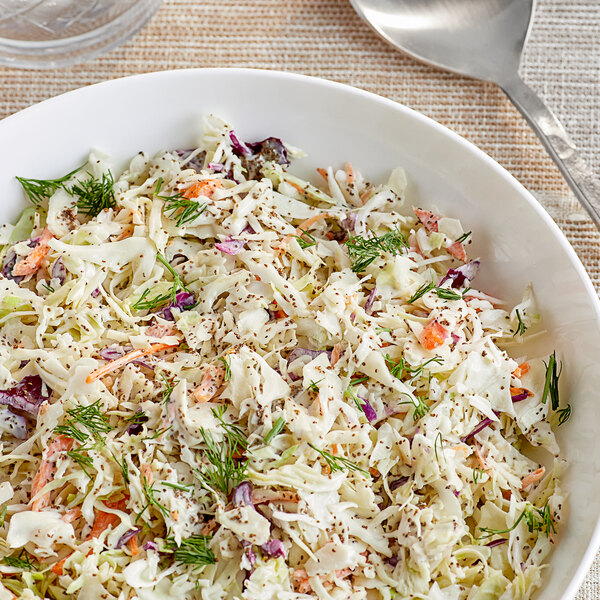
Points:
(594, 545)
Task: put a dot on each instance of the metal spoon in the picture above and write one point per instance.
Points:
(483, 39)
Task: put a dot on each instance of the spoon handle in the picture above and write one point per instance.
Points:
(553, 136)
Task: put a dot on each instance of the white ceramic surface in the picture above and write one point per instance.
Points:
(516, 239)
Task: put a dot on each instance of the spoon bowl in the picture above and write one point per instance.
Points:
(483, 39)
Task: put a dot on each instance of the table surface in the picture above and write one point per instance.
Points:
(325, 38)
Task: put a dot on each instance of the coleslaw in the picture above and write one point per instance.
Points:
(219, 380)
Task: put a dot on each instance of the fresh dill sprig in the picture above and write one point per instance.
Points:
(94, 195)
(439, 438)
(50, 289)
(537, 519)
(313, 386)
(23, 561)
(232, 431)
(90, 417)
(178, 207)
(227, 367)
(551, 383)
(38, 190)
(151, 500)
(398, 369)
(463, 237)
(477, 474)
(564, 414)
(123, 466)
(275, 430)
(83, 459)
(363, 251)
(443, 293)
(194, 550)
(338, 463)
(158, 433)
(225, 471)
(170, 385)
(521, 327)
(350, 393)
(304, 244)
(184, 487)
(3, 515)
(420, 408)
(380, 330)
(145, 303)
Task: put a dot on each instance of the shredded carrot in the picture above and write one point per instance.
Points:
(305, 225)
(480, 458)
(334, 449)
(521, 370)
(429, 219)
(33, 261)
(159, 331)
(127, 232)
(113, 365)
(133, 546)
(57, 568)
(335, 354)
(365, 195)
(458, 251)
(374, 472)
(433, 335)
(46, 471)
(204, 188)
(105, 520)
(280, 314)
(209, 527)
(531, 478)
(298, 187)
(212, 380)
(515, 391)
(323, 173)
(342, 573)
(146, 470)
(350, 174)
(72, 515)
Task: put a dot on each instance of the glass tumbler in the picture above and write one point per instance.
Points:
(53, 33)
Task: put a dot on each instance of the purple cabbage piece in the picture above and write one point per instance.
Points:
(150, 546)
(249, 552)
(59, 271)
(126, 537)
(197, 163)
(242, 495)
(495, 543)
(9, 263)
(520, 397)
(137, 427)
(271, 149)
(391, 560)
(239, 147)
(368, 410)
(230, 246)
(298, 352)
(480, 427)
(182, 301)
(274, 548)
(26, 396)
(394, 485)
(111, 352)
(95, 293)
(462, 274)
(349, 223)
(216, 167)
(370, 300)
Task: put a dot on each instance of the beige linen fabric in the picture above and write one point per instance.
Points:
(326, 39)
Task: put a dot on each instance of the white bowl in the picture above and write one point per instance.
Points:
(516, 239)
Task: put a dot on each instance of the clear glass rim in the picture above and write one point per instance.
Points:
(77, 48)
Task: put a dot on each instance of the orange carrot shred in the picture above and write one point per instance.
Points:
(202, 188)
(433, 335)
(33, 261)
(323, 173)
(305, 225)
(335, 354)
(212, 380)
(133, 546)
(531, 478)
(57, 568)
(350, 173)
(113, 365)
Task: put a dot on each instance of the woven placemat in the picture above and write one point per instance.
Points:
(326, 39)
